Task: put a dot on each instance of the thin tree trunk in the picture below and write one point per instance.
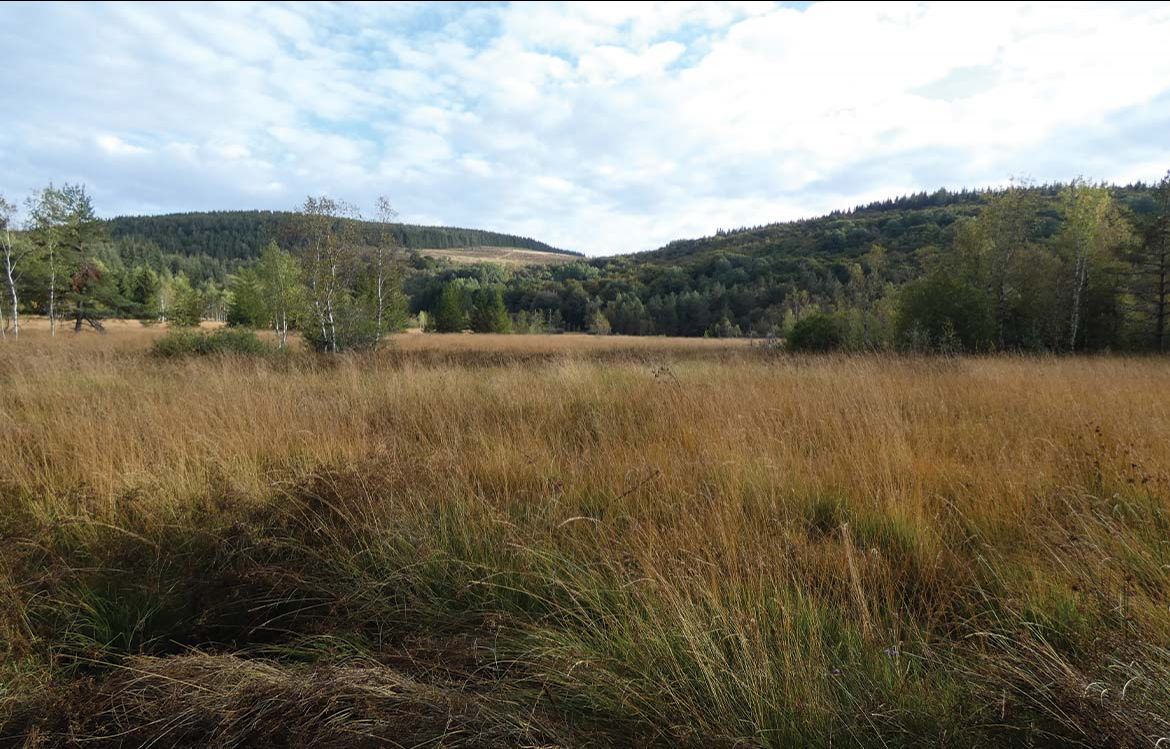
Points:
(379, 294)
(1078, 289)
(11, 279)
(52, 291)
(1001, 313)
(329, 307)
(332, 327)
(13, 300)
(1163, 278)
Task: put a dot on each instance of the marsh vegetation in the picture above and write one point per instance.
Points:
(579, 541)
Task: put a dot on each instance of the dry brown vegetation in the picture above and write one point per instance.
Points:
(565, 541)
(503, 255)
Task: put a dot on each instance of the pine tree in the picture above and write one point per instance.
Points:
(488, 314)
(450, 315)
(187, 308)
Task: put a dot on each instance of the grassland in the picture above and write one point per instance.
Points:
(503, 255)
(571, 541)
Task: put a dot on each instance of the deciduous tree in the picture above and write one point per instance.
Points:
(281, 284)
(1093, 229)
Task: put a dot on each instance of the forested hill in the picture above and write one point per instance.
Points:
(241, 235)
(901, 225)
(1050, 267)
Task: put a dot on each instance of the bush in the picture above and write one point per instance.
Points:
(723, 329)
(945, 314)
(178, 343)
(355, 327)
(817, 332)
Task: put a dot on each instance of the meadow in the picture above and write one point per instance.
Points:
(549, 541)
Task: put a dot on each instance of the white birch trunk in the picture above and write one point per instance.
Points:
(52, 290)
(10, 278)
(1078, 289)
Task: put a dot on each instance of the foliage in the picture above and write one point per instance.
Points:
(355, 328)
(187, 306)
(180, 343)
(488, 314)
(144, 290)
(1058, 267)
(941, 312)
(450, 313)
(243, 235)
(817, 332)
(248, 307)
(599, 324)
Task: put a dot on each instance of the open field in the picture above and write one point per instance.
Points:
(575, 541)
(503, 255)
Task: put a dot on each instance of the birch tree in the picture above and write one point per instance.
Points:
(1093, 227)
(13, 254)
(45, 212)
(385, 256)
(282, 288)
(63, 223)
(326, 230)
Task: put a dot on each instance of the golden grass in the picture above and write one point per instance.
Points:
(502, 255)
(727, 546)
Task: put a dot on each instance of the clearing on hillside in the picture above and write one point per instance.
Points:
(505, 255)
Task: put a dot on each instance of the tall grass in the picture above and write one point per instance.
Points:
(561, 541)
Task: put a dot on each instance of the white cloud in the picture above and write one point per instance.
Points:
(605, 127)
(115, 146)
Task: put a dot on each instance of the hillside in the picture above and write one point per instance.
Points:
(240, 235)
(902, 225)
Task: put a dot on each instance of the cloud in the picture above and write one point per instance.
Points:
(115, 146)
(605, 127)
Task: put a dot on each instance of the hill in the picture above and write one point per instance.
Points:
(241, 235)
(902, 225)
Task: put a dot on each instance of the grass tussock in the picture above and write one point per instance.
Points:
(697, 545)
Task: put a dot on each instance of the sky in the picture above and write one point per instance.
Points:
(604, 128)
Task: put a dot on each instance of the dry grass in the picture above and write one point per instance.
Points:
(502, 255)
(614, 541)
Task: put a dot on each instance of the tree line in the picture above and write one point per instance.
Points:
(1073, 267)
(333, 280)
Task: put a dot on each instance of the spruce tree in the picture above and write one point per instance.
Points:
(450, 315)
(489, 315)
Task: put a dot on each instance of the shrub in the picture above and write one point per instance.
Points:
(194, 343)
(943, 313)
(723, 329)
(355, 328)
(817, 332)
